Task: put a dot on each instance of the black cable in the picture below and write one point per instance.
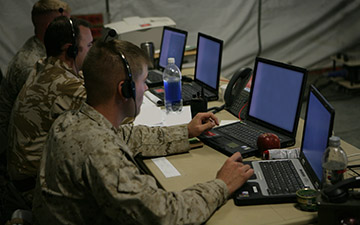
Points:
(259, 29)
(132, 123)
(352, 170)
(351, 167)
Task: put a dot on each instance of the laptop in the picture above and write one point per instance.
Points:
(274, 106)
(207, 72)
(318, 125)
(173, 44)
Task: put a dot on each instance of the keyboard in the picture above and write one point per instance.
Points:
(154, 78)
(281, 177)
(188, 93)
(242, 132)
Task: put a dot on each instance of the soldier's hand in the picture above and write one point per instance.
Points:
(234, 173)
(202, 122)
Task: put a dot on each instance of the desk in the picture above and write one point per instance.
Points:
(201, 165)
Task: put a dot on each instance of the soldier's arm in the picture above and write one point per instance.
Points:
(156, 141)
(128, 195)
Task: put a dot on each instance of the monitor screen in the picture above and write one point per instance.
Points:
(276, 94)
(318, 126)
(172, 45)
(208, 60)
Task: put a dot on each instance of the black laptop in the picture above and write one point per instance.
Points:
(274, 107)
(173, 44)
(306, 171)
(207, 72)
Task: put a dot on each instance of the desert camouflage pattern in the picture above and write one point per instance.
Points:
(46, 94)
(18, 71)
(88, 167)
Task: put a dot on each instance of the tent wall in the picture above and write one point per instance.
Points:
(304, 33)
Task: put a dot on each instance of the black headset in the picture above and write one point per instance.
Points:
(72, 50)
(128, 87)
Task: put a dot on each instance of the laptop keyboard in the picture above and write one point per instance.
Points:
(242, 132)
(154, 76)
(281, 177)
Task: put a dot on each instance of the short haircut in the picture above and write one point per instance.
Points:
(43, 7)
(104, 68)
(59, 33)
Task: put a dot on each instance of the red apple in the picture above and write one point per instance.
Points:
(267, 141)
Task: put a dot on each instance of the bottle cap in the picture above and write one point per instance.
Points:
(334, 141)
(171, 60)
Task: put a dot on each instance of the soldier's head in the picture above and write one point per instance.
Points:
(69, 37)
(116, 71)
(45, 11)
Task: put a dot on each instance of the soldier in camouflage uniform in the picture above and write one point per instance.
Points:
(43, 12)
(88, 174)
(54, 87)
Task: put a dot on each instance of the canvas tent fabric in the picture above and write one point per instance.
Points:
(304, 33)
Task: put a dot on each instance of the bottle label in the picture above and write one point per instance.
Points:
(333, 172)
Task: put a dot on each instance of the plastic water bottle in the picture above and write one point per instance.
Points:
(334, 163)
(172, 85)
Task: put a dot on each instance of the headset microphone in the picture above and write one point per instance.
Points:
(61, 10)
(111, 33)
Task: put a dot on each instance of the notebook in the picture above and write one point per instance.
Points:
(274, 106)
(172, 45)
(207, 71)
(318, 125)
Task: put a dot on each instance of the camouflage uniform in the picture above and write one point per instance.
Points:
(88, 175)
(50, 90)
(17, 73)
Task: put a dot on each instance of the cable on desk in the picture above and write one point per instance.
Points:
(242, 110)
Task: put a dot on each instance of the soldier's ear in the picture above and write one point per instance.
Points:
(120, 89)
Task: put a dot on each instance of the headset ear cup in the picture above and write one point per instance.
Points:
(126, 89)
(72, 51)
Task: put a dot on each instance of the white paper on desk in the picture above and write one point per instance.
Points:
(151, 115)
(226, 122)
(184, 117)
(166, 167)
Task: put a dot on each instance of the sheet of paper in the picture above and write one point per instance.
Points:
(166, 167)
(225, 122)
(183, 117)
(151, 115)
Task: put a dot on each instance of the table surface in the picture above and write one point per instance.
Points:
(201, 164)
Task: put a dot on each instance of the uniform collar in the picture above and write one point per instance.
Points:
(96, 116)
(55, 61)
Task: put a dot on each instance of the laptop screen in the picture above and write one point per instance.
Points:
(277, 91)
(172, 45)
(208, 60)
(317, 129)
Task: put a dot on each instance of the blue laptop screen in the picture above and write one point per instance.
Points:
(208, 61)
(275, 95)
(316, 133)
(172, 45)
